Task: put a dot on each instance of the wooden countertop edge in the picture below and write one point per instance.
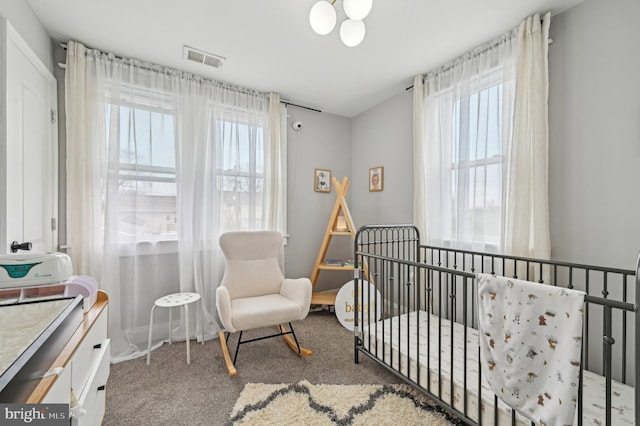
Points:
(70, 348)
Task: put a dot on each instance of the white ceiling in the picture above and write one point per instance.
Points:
(270, 46)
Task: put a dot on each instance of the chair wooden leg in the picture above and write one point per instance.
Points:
(225, 353)
(292, 344)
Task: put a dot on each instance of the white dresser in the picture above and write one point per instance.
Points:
(83, 369)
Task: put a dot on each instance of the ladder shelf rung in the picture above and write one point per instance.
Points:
(336, 267)
(323, 298)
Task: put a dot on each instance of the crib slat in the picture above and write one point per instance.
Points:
(429, 309)
(402, 312)
(495, 410)
(609, 341)
(624, 331)
(464, 322)
(417, 277)
(586, 321)
(637, 344)
(452, 298)
(440, 335)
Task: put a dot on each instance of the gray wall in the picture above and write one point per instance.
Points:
(25, 21)
(594, 109)
(383, 136)
(324, 143)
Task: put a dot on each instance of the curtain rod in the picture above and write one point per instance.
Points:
(144, 65)
(287, 103)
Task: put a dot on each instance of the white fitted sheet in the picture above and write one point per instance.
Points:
(393, 335)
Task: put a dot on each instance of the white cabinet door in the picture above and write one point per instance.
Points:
(30, 179)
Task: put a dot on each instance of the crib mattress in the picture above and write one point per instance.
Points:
(434, 372)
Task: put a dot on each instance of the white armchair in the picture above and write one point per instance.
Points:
(254, 292)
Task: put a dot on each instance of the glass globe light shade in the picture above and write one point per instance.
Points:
(352, 32)
(357, 9)
(322, 17)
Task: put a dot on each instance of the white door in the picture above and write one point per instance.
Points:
(30, 211)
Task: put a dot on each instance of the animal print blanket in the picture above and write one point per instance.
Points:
(530, 340)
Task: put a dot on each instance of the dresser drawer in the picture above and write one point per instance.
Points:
(88, 351)
(93, 398)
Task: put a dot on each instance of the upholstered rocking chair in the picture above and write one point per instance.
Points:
(254, 292)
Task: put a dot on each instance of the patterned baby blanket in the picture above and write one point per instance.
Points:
(530, 340)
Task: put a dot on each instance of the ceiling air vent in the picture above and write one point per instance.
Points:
(203, 57)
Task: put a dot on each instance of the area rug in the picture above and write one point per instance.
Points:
(309, 404)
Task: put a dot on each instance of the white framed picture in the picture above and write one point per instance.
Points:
(322, 180)
(376, 179)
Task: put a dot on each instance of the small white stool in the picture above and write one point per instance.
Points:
(170, 301)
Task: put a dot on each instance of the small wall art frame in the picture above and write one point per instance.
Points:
(376, 179)
(322, 180)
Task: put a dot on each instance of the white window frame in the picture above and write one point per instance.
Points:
(480, 83)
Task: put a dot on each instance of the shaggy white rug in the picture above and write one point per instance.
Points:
(308, 404)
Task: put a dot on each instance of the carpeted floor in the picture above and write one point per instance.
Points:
(173, 393)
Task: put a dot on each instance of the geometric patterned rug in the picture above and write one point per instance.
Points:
(308, 404)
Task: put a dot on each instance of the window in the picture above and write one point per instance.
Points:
(240, 169)
(146, 140)
(476, 168)
(464, 158)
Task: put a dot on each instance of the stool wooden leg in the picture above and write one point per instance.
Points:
(150, 331)
(188, 337)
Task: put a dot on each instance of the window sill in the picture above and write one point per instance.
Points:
(471, 246)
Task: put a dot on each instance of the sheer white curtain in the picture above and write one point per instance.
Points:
(275, 173)
(160, 162)
(468, 128)
(419, 156)
(527, 190)
(84, 163)
(467, 107)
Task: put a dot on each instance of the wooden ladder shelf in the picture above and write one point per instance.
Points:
(340, 223)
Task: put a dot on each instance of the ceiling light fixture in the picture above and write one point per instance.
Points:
(322, 18)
